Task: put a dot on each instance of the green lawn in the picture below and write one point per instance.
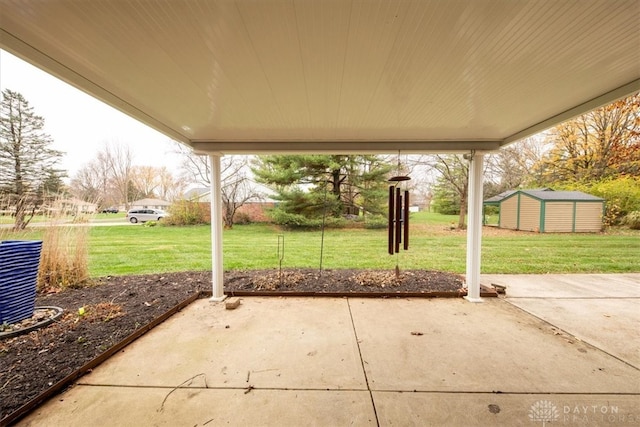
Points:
(120, 250)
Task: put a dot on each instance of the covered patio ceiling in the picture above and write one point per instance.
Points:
(338, 76)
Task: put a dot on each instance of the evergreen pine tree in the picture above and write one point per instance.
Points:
(26, 159)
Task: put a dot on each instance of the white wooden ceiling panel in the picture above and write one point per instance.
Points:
(272, 28)
(323, 30)
(412, 74)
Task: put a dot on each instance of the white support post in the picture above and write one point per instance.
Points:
(474, 228)
(217, 276)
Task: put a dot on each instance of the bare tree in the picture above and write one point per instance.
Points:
(423, 179)
(237, 188)
(453, 182)
(91, 183)
(512, 167)
(108, 179)
(146, 180)
(117, 159)
(111, 179)
(170, 187)
(195, 168)
(450, 176)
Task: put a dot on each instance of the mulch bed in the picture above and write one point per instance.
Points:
(117, 307)
(384, 283)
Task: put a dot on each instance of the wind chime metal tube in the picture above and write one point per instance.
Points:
(391, 220)
(398, 219)
(405, 220)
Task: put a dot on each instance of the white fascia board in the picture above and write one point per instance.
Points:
(343, 147)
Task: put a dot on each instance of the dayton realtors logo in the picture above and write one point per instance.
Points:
(545, 411)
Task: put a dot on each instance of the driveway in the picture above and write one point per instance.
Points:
(601, 309)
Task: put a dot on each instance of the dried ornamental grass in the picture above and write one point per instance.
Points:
(378, 278)
(64, 258)
(276, 280)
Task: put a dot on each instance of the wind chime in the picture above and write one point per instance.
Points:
(398, 214)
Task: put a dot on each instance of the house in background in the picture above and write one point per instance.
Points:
(71, 207)
(199, 194)
(150, 204)
(55, 207)
(253, 211)
(548, 211)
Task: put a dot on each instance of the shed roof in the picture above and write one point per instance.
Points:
(338, 76)
(562, 195)
(499, 197)
(545, 194)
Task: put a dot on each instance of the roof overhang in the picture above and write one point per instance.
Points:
(337, 76)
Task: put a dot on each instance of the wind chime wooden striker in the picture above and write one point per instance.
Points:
(398, 214)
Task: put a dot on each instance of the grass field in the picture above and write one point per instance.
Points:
(121, 250)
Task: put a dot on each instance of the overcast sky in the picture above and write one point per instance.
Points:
(79, 124)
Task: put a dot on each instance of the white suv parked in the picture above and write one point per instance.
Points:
(143, 215)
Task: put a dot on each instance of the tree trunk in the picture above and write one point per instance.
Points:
(463, 211)
(19, 219)
(229, 213)
(336, 181)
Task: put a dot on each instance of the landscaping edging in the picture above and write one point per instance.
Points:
(485, 292)
(66, 381)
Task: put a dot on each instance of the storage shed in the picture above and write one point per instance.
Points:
(548, 211)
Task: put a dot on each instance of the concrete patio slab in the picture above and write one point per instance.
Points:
(126, 406)
(482, 409)
(302, 343)
(489, 347)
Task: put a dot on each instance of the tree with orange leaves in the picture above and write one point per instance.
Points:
(604, 143)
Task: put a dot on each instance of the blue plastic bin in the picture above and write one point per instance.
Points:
(19, 263)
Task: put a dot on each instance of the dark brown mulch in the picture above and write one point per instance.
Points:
(343, 282)
(119, 306)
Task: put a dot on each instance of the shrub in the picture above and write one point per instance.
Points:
(622, 195)
(632, 220)
(333, 222)
(374, 222)
(297, 221)
(612, 215)
(286, 219)
(242, 218)
(185, 212)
